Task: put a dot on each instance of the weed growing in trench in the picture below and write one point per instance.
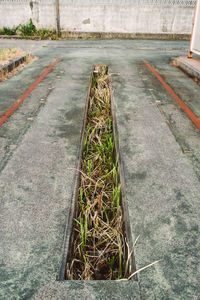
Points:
(99, 246)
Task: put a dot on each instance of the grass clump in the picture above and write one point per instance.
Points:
(8, 54)
(8, 30)
(99, 249)
(46, 34)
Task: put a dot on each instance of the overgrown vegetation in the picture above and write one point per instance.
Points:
(45, 33)
(8, 31)
(29, 30)
(10, 53)
(99, 249)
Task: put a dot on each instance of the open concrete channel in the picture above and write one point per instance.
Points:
(160, 154)
(98, 242)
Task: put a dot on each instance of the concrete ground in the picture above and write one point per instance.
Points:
(160, 150)
(189, 65)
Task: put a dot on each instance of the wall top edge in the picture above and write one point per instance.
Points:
(110, 2)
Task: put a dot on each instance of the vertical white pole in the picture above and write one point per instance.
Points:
(191, 38)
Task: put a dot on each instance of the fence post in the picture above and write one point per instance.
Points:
(57, 18)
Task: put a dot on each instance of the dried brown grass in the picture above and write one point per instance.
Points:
(99, 249)
(8, 54)
(29, 58)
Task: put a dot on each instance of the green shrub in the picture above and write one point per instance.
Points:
(9, 31)
(28, 29)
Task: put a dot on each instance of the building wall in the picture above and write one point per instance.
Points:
(123, 16)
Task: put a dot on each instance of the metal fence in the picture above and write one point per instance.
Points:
(115, 2)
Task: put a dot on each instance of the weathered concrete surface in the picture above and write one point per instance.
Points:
(162, 181)
(163, 198)
(128, 17)
(122, 16)
(190, 65)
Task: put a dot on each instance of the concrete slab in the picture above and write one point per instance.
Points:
(184, 131)
(27, 45)
(190, 65)
(36, 177)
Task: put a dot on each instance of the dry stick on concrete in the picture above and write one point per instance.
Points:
(141, 269)
(99, 248)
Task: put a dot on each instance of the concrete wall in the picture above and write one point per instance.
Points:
(123, 16)
(13, 13)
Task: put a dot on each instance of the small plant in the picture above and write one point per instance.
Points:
(43, 33)
(28, 29)
(111, 262)
(89, 163)
(82, 233)
(86, 225)
(81, 195)
(116, 196)
(46, 33)
(9, 31)
(85, 143)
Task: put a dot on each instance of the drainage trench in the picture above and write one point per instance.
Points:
(98, 242)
